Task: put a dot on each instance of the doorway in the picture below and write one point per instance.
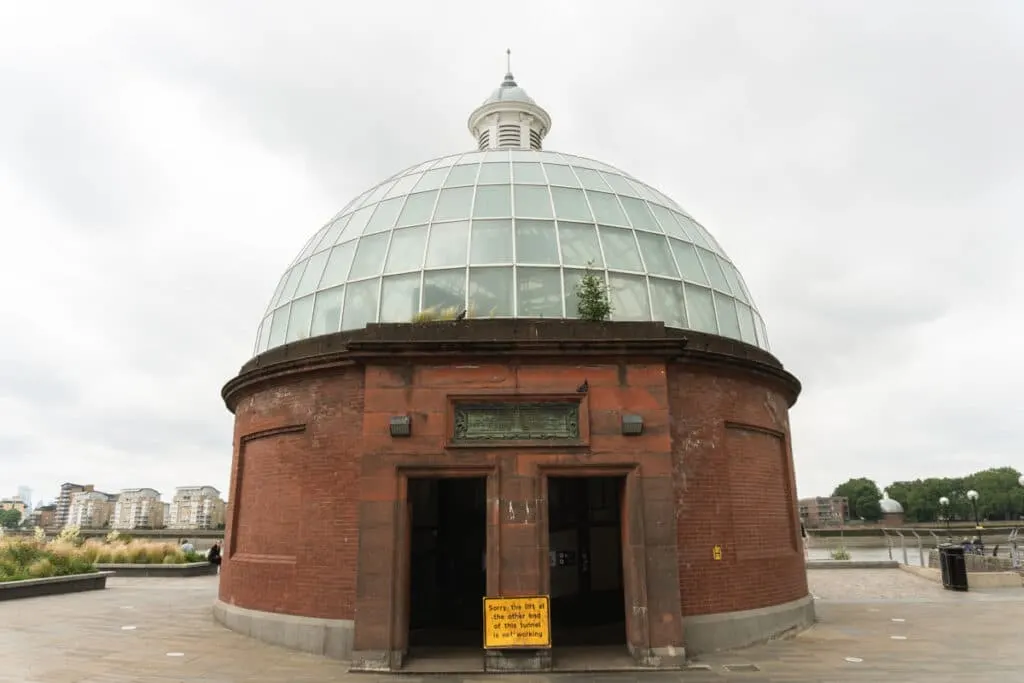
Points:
(447, 561)
(585, 560)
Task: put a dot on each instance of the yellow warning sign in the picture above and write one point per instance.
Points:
(716, 552)
(517, 622)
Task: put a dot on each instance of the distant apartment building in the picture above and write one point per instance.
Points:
(44, 516)
(138, 509)
(91, 509)
(195, 507)
(67, 489)
(823, 512)
(14, 503)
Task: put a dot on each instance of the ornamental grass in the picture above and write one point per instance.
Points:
(22, 559)
(29, 559)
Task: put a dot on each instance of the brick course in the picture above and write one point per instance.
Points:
(317, 520)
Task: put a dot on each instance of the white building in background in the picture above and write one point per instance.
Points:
(91, 509)
(195, 507)
(138, 509)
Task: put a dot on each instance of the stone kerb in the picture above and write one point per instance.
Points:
(187, 569)
(53, 585)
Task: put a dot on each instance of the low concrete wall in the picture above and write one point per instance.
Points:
(162, 570)
(715, 632)
(974, 579)
(853, 564)
(53, 585)
(328, 637)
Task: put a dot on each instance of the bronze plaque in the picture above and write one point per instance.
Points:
(511, 421)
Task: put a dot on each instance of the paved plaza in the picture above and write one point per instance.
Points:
(873, 625)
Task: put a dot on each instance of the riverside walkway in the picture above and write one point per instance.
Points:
(873, 625)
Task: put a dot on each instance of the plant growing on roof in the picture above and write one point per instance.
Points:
(592, 297)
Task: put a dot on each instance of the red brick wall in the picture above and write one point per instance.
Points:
(735, 489)
(293, 524)
(296, 496)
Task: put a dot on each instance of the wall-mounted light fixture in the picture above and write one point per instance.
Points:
(400, 425)
(632, 425)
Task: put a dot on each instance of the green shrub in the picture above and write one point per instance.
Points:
(840, 553)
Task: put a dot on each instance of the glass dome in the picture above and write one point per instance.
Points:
(508, 233)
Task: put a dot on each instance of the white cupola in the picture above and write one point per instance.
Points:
(509, 118)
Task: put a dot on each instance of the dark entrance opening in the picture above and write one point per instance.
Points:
(585, 561)
(447, 562)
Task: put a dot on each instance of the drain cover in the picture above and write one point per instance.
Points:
(740, 667)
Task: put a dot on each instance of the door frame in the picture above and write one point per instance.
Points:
(402, 571)
(631, 525)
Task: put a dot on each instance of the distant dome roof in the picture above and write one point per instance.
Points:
(509, 91)
(890, 506)
(507, 232)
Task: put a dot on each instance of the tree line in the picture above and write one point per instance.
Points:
(1000, 497)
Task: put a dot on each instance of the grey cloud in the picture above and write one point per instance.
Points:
(861, 165)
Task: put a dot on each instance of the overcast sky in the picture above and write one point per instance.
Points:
(161, 163)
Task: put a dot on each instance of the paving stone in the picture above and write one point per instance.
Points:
(949, 636)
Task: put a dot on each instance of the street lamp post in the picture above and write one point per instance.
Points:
(972, 496)
(944, 504)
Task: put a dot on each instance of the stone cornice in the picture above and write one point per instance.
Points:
(508, 340)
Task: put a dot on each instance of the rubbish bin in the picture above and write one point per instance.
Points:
(953, 565)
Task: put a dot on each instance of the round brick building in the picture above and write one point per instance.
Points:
(426, 424)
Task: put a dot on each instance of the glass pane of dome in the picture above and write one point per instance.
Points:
(700, 309)
(406, 250)
(338, 264)
(746, 324)
(728, 321)
(689, 265)
(714, 270)
(579, 245)
(628, 294)
(493, 201)
(299, 318)
(327, 311)
(532, 201)
(491, 242)
(667, 302)
(432, 179)
(444, 289)
(490, 292)
(539, 292)
(369, 258)
(620, 251)
(399, 298)
(536, 242)
(279, 326)
(571, 279)
(640, 217)
(312, 274)
(655, 252)
(494, 173)
(607, 209)
(360, 304)
(561, 175)
(418, 208)
(461, 175)
(448, 244)
(592, 180)
(571, 204)
(453, 204)
(527, 172)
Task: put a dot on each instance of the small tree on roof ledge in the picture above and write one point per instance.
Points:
(592, 294)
